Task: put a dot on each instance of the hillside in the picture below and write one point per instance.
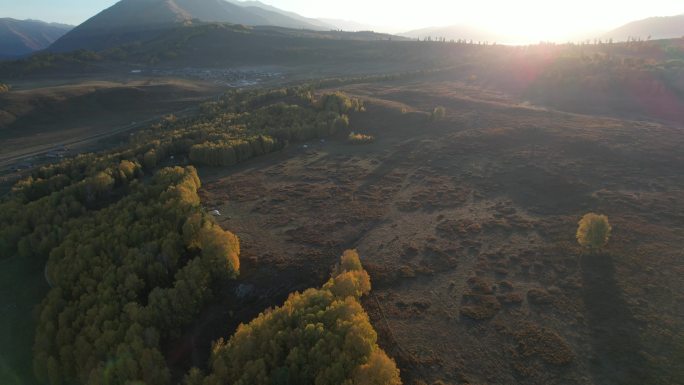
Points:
(136, 20)
(331, 52)
(22, 37)
(668, 27)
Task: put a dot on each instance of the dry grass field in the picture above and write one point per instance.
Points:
(467, 227)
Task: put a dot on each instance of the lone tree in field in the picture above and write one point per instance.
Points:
(593, 231)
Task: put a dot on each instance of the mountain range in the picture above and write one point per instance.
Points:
(667, 27)
(131, 21)
(134, 20)
(22, 37)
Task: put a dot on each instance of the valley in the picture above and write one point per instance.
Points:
(212, 192)
(465, 223)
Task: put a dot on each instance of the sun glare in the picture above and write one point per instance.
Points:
(531, 21)
(523, 21)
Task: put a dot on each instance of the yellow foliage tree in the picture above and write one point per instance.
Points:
(321, 336)
(350, 261)
(379, 370)
(593, 231)
(221, 249)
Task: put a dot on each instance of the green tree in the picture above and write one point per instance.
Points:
(194, 377)
(150, 159)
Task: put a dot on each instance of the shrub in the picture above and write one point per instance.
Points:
(479, 307)
(438, 113)
(593, 231)
(360, 138)
(539, 296)
(544, 343)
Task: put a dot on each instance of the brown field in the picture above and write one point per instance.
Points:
(467, 228)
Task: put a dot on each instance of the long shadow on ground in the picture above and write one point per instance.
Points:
(615, 332)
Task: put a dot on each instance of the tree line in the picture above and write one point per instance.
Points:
(132, 257)
(238, 127)
(127, 278)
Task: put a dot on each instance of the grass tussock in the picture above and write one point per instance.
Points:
(355, 138)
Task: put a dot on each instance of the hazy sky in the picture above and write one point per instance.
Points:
(532, 19)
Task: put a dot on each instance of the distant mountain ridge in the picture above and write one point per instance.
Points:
(23, 37)
(134, 20)
(667, 27)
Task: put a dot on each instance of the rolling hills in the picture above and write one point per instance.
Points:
(23, 37)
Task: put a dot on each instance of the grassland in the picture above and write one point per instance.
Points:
(467, 228)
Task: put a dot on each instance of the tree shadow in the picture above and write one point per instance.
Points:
(615, 332)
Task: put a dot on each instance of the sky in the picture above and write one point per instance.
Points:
(524, 19)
